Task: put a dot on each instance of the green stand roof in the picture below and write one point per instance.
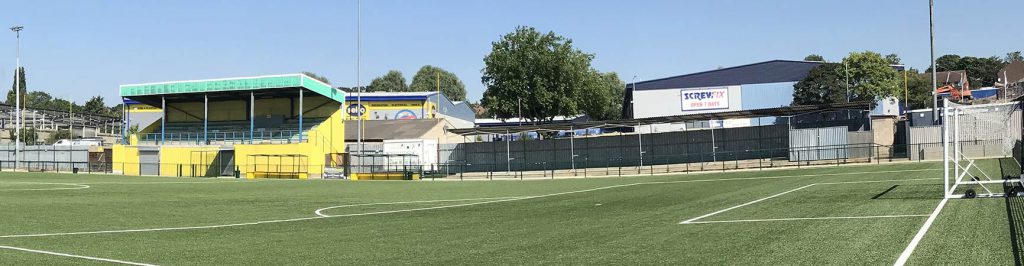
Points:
(233, 84)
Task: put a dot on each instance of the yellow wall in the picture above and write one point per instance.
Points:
(188, 158)
(327, 138)
(125, 159)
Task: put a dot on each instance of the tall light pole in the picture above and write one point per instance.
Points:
(935, 77)
(17, 96)
(359, 86)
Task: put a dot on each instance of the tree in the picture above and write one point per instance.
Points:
(426, 79)
(58, 135)
(948, 62)
(919, 89)
(22, 87)
(393, 81)
(824, 84)
(316, 77)
(1013, 56)
(28, 136)
(602, 99)
(893, 59)
(871, 77)
(541, 74)
(862, 76)
(980, 71)
(39, 99)
(95, 106)
(115, 110)
(815, 58)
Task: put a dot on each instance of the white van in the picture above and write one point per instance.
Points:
(79, 142)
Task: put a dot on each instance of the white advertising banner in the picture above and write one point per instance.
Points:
(705, 99)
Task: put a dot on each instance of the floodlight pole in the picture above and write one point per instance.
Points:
(640, 145)
(17, 96)
(935, 77)
(359, 88)
(572, 148)
(508, 152)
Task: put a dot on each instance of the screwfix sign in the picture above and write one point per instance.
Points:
(705, 99)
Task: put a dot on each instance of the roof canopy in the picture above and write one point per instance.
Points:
(229, 88)
(754, 113)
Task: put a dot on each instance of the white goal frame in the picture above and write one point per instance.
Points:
(958, 165)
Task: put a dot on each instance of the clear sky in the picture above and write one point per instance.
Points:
(76, 49)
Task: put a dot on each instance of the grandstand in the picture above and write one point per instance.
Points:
(47, 121)
(244, 126)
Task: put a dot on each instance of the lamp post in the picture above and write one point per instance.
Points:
(359, 89)
(17, 96)
(931, 41)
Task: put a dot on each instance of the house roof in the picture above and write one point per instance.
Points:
(950, 77)
(1014, 72)
(774, 71)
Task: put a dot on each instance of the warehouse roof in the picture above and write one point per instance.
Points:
(757, 73)
(754, 113)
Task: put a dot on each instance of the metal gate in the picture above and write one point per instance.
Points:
(813, 144)
(149, 162)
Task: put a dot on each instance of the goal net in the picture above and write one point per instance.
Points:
(981, 149)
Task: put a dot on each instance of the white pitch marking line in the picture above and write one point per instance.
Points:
(430, 208)
(76, 256)
(744, 204)
(319, 212)
(902, 260)
(803, 187)
(808, 218)
(76, 186)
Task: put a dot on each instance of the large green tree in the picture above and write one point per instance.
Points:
(871, 77)
(824, 84)
(541, 74)
(602, 99)
(22, 87)
(862, 76)
(393, 81)
(429, 78)
(95, 106)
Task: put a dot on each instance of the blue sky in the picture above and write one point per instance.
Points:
(76, 49)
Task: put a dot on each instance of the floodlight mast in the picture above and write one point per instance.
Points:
(17, 96)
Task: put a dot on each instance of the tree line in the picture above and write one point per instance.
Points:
(869, 76)
(43, 100)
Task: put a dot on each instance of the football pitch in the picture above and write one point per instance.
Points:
(866, 214)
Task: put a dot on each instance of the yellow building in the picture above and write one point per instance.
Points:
(284, 126)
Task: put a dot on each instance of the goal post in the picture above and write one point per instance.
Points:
(981, 148)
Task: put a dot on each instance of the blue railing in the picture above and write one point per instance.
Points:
(265, 136)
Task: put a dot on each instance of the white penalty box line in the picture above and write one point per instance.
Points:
(695, 220)
(75, 256)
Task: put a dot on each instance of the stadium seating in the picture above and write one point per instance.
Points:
(230, 132)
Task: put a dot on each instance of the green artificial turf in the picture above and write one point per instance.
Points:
(626, 220)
